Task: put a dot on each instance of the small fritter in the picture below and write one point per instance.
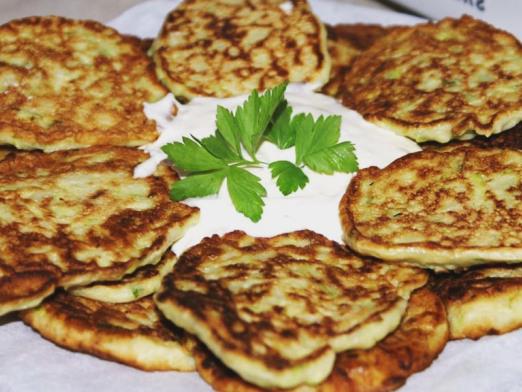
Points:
(134, 333)
(345, 43)
(144, 281)
(441, 209)
(71, 218)
(277, 310)
(440, 81)
(230, 47)
(482, 301)
(68, 83)
(412, 347)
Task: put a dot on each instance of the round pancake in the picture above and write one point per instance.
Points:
(412, 347)
(345, 43)
(68, 83)
(438, 209)
(230, 47)
(134, 333)
(277, 310)
(482, 301)
(440, 81)
(71, 218)
(144, 281)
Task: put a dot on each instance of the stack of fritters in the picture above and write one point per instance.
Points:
(76, 218)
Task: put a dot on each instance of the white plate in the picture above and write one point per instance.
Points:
(29, 363)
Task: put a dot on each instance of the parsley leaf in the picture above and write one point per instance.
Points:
(191, 157)
(228, 129)
(198, 185)
(217, 146)
(255, 114)
(316, 146)
(282, 133)
(246, 192)
(290, 177)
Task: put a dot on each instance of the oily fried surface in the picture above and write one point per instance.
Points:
(345, 43)
(225, 48)
(74, 217)
(412, 347)
(69, 83)
(440, 81)
(144, 281)
(276, 310)
(442, 209)
(482, 301)
(134, 333)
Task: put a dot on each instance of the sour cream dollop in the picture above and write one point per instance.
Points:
(314, 208)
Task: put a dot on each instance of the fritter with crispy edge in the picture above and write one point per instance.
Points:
(144, 281)
(277, 310)
(133, 333)
(345, 43)
(225, 48)
(443, 209)
(440, 81)
(68, 83)
(71, 218)
(482, 301)
(412, 347)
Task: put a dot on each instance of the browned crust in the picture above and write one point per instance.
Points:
(422, 249)
(482, 301)
(378, 99)
(119, 231)
(411, 348)
(92, 327)
(235, 72)
(70, 129)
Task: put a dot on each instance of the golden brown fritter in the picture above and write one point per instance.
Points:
(345, 43)
(277, 310)
(74, 217)
(144, 281)
(133, 333)
(441, 209)
(482, 301)
(68, 83)
(440, 81)
(226, 48)
(412, 347)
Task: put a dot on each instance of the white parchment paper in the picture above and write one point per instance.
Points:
(29, 363)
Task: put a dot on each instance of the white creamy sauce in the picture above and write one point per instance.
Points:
(287, 7)
(314, 208)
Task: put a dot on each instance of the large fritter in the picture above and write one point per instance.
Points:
(67, 83)
(345, 43)
(482, 301)
(71, 218)
(412, 347)
(134, 333)
(230, 47)
(439, 209)
(440, 81)
(144, 281)
(277, 310)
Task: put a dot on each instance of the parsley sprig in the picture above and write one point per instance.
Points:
(208, 162)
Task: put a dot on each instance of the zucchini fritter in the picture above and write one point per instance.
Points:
(441, 209)
(277, 310)
(440, 81)
(226, 48)
(68, 83)
(133, 333)
(70, 218)
(412, 347)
